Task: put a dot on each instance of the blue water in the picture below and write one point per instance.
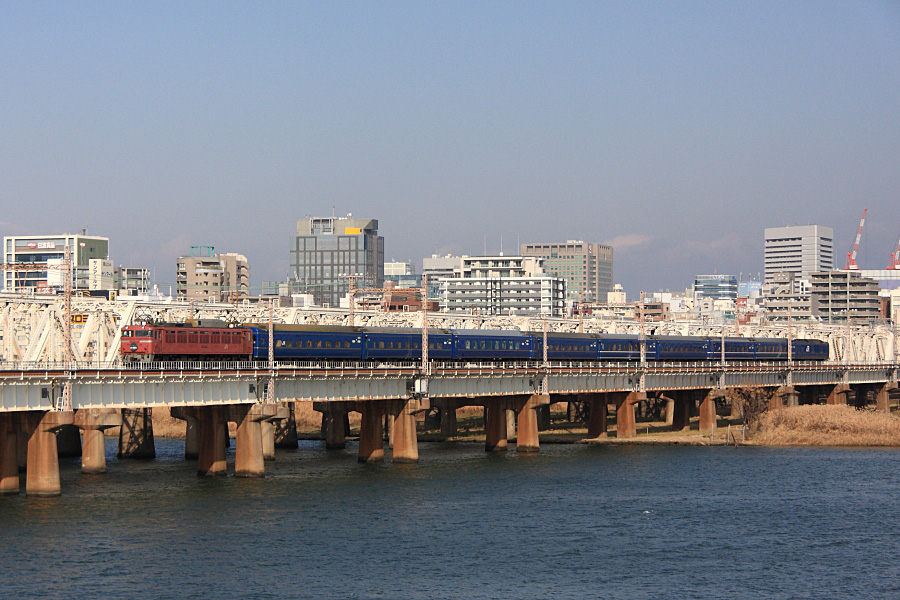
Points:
(572, 522)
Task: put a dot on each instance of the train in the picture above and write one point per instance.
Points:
(167, 342)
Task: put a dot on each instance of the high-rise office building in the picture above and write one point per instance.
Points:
(799, 250)
(327, 250)
(587, 268)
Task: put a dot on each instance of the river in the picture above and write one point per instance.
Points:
(574, 521)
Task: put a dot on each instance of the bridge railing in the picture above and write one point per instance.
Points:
(436, 366)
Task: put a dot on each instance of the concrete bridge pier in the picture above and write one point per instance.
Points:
(883, 396)
(708, 410)
(191, 431)
(136, 434)
(212, 433)
(286, 429)
(93, 422)
(681, 409)
(248, 451)
(784, 396)
(527, 438)
(598, 406)
(42, 471)
(626, 425)
(371, 431)
(9, 449)
(405, 448)
(267, 429)
(335, 421)
(448, 418)
(495, 425)
(839, 394)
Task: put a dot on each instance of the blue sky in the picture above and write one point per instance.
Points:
(675, 130)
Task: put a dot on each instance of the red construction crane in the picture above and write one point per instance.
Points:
(851, 256)
(895, 259)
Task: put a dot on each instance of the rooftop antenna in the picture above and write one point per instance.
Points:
(501, 244)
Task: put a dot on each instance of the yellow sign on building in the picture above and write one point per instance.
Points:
(352, 231)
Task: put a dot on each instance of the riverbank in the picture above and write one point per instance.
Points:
(823, 425)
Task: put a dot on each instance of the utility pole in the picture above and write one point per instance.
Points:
(270, 388)
(66, 401)
(643, 343)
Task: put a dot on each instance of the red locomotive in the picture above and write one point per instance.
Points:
(183, 342)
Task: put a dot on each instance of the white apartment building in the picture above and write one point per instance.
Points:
(503, 285)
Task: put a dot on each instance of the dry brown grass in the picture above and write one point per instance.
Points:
(822, 425)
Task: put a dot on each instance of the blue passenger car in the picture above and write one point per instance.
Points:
(308, 342)
(809, 350)
(565, 346)
(771, 348)
(615, 347)
(486, 344)
(406, 344)
(666, 347)
(735, 348)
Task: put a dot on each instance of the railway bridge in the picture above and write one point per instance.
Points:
(38, 401)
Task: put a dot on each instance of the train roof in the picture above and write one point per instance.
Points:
(513, 333)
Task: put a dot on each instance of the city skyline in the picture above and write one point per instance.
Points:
(675, 132)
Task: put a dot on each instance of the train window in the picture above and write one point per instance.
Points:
(127, 333)
(328, 343)
(466, 344)
(347, 344)
(415, 345)
(381, 345)
(309, 344)
(518, 345)
(318, 343)
(481, 345)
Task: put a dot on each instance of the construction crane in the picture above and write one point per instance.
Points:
(851, 256)
(895, 259)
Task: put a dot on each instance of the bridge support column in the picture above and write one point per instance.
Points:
(286, 429)
(248, 447)
(599, 405)
(42, 472)
(543, 417)
(495, 425)
(212, 434)
(406, 448)
(527, 436)
(708, 411)
(784, 396)
(883, 396)
(448, 418)
(626, 425)
(9, 468)
(92, 423)
(333, 428)
(191, 431)
(681, 413)
(136, 434)
(838, 394)
(267, 430)
(371, 431)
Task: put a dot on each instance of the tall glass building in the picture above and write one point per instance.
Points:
(326, 250)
